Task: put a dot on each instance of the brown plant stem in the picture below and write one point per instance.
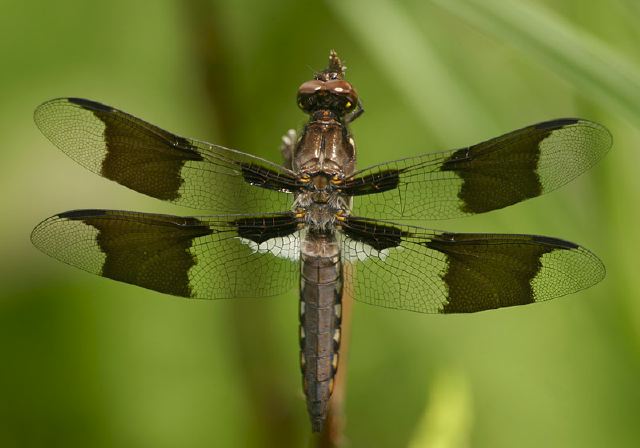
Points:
(274, 417)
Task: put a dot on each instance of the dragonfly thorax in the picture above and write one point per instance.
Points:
(320, 206)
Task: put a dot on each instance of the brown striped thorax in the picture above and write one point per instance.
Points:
(317, 223)
(325, 153)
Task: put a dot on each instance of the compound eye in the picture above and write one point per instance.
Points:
(339, 87)
(306, 102)
(310, 87)
(307, 94)
(344, 90)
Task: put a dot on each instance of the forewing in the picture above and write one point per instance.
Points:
(211, 257)
(155, 162)
(494, 174)
(427, 271)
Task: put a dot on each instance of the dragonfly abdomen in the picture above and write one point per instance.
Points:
(320, 314)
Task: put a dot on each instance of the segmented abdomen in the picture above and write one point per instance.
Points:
(320, 315)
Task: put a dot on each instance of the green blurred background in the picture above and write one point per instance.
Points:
(89, 362)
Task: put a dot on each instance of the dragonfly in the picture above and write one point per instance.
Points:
(318, 223)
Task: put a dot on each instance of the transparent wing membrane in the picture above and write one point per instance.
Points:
(211, 257)
(494, 174)
(428, 271)
(150, 160)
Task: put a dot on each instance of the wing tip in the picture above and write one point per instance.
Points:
(83, 103)
(560, 123)
(591, 258)
(37, 234)
(594, 269)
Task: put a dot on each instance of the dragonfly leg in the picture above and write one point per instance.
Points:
(288, 146)
(359, 110)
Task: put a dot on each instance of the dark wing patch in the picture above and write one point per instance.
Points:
(374, 234)
(150, 160)
(378, 182)
(430, 271)
(120, 241)
(199, 257)
(491, 271)
(264, 228)
(494, 174)
(162, 177)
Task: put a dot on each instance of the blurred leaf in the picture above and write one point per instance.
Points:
(387, 31)
(447, 420)
(584, 60)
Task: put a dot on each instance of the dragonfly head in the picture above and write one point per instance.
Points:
(328, 90)
(335, 69)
